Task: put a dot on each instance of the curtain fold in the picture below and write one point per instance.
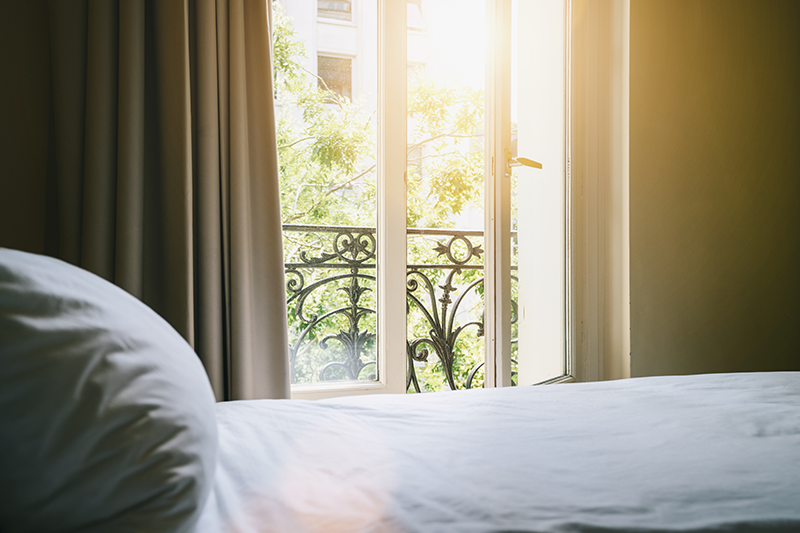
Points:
(129, 238)
(166, 172)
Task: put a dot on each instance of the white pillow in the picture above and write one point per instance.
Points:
(106, 415)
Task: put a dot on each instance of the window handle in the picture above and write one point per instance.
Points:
(520, 161)
(525, 162)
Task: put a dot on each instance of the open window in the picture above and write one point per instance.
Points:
(425, 249)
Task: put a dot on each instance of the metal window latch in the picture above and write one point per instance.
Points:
(524, 161)
(520, 162)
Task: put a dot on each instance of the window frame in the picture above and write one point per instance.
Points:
(418, 29)
(498, 189)
(337, 20)
(391, 227)
(333, 55)
(599, 175)
(598, 252)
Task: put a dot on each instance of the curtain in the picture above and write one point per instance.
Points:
(163, 174)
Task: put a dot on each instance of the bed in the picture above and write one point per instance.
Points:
(699, 453)
(109, 424)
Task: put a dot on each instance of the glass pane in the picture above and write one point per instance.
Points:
(445, 195)
(325, 113)
(335, 9)
(335, 74)
(414, 17)
(538, 214)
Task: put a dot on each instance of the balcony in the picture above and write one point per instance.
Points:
(331, 301)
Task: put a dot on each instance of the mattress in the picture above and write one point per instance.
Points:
(716, 452)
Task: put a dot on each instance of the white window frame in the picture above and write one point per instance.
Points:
(391, 231)
(333, 20)
(598, 322)
(597, 176)
(417, 29)
(543, 22)
(599, 189)
(353, 66)
(497, 269)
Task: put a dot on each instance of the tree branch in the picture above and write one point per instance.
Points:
(296, 142)
(411, 147)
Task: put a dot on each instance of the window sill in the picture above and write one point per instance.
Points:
(337, 22)
(321, 391)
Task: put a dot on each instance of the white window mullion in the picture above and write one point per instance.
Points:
(497, 281)
(392, 194)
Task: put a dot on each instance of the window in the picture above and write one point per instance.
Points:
(414, 18)
(336, 74)
(328, 181)
(335, 9)
(415, 71)
(357, 154)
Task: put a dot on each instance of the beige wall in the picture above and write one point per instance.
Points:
(715, 186)
(24, 115)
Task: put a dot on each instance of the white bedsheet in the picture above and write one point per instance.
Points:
(699, 453)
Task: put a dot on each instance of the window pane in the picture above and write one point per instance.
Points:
(538, 195)
(414, 18)
(335, 9)
(445, 195)
(336, 75)
(326, 149)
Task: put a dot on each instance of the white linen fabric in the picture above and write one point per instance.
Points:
(106, 415)
(663, 454)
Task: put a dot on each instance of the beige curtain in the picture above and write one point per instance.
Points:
(163, 172)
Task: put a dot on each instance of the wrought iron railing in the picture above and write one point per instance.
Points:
(331, 286)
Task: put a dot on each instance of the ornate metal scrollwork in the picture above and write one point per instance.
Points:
(344, 263)
(443, 332)
(447, 250)
(342, 267)
(352, 246)
(360, 247)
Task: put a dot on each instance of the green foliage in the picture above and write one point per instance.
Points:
(445, 172)
(326, 143)
(287, 50)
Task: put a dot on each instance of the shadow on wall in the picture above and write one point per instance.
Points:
(24, 116)
(715, 186)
